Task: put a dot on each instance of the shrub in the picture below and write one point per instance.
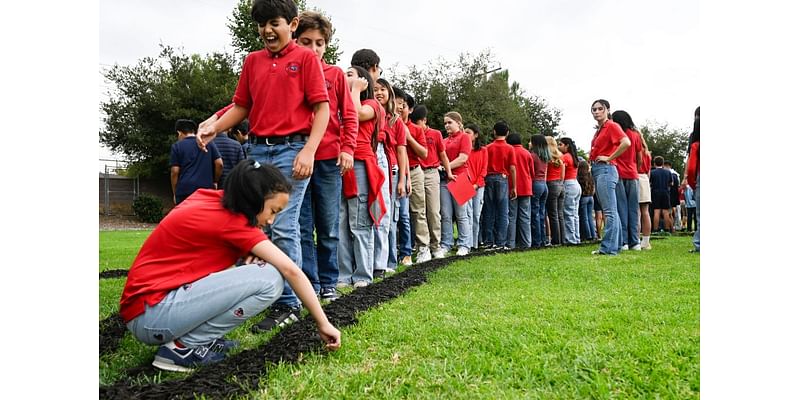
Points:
(148, 208)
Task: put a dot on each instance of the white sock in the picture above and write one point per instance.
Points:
(645, 240)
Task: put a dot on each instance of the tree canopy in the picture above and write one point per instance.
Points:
(667, 142)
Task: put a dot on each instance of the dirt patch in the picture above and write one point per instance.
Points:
(123, 222)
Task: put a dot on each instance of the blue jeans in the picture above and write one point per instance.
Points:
(394, 212)
(404, 235)
(496, 210)
(208, 308)
(320, 211)
(538, 210)
(383, 228)
(475, 206)
(628, 208)
(696, 237)
(586, 217)
(449, 210)
(285, 229)
(605, 182)
(555, 211)
(356, 233)
(519, 222)
(572, 198)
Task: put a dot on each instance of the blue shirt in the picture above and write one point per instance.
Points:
(231, 152)
(688, 196)
(197, 166)
(660, 179)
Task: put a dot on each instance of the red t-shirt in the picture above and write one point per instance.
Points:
(501, 157)
(646, 160)
(396, 136)
(435, 145)
(554, 171)
(606, 140)
(280, 90)
(693, 165)
(477, 165)
(539, 168)
(571, 171)
(524, 170)
(340, 135)
(197, 238)
(419, 135)
(456, 144)
(626, 163)
(366, 128)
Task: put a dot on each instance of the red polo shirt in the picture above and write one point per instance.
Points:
(339, 136)
(419, 135)
(397, 137)
(501, 157)
(456, 144)
(606, 140)
(280, 90)
(524, 170)
(646, 160)
(435, 145)
(571, 171)
(477, 165)
(197, 238)
(626, 164)
(554, 171)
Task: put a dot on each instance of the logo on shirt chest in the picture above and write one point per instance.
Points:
(293, 68)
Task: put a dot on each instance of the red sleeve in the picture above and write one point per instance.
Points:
(439, 142)
(693, 165)
(511, 159)
(314, 82)
(223, 110)
(242, 95)
(616, 134)
(400, 133)
(465, 146)
(485, 163)
(349, 127)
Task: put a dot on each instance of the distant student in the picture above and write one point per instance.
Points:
(190, 168)
(660, 183)
(458, 147)
(674, 201)
(320, 209)
(240, 133)
(418, 151)
(369, 60)
(231, 152)
(540, 152)
(556, 170)
(403, 222)
(692, 174)
(572, 191)
(501, 186)
(181, 292)
(282, 90)
(645, 196)
(519, 209)
(586, 207)
(477, 165)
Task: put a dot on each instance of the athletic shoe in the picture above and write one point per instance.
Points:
(647, 246)
(462, 251)
(223, 345)
(423, 255)
(406, 261)
(624, 247)
(378, 273)
(360, 284)
(185, 360)
(440, 253)
(279, 315)
(328, 293)
(598, 253)
(342, 285)
(638, 247)
(388, 272)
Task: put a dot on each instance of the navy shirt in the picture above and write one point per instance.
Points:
(197, 166)
(231, 152)
(660, 179)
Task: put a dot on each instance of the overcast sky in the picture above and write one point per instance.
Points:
(639, 55)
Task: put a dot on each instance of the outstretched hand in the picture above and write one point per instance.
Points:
(205, 135)
(331, 336)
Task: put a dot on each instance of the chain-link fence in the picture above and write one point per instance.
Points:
(117, 190)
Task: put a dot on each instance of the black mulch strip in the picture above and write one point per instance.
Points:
(240, 373)
(112, 330)
(113, 273)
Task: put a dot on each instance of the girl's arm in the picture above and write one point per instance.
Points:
(459, 161)
(267, 251)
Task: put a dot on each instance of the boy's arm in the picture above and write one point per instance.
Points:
(214, 117)
(228, 120)
(174, 172)
(419, 149)
(303, 164)
(217, 171)
(513, 193)
(270, 253)
(349, 128)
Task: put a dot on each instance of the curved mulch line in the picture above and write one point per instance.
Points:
(241, 373)
(114, 273)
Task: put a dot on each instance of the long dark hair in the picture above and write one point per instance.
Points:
(585, 179)
(540, 147)
(249, 184)
(478, 143)
(624, 120)
(695, 135)
(571, 149)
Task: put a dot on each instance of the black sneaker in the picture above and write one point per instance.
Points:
(185, 360)
(328, 293)
(223, 345)
(279, 315)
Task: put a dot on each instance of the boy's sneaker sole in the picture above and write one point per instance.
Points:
(170, 359)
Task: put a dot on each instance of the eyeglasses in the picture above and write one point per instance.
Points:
(597, 109)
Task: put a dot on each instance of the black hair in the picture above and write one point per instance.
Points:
(185, 126)
(243, 127)
(399, 93)
(695, 136)
(365, 58)
(624, 120)
(249, 184)
(514, 138)
(500, 128)
(369, 93)
(265, 10)
(667, 162)
(604, 102)
(571, 149)
(420, 112)
(410, 102)
(540, 147)
(478, 143)
(658, 161)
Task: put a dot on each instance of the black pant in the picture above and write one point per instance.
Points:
(691, 215)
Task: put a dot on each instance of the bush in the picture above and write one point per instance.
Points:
(148, 208)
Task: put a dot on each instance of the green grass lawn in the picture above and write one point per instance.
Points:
(554, 324)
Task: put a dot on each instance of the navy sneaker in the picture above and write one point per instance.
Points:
(185, 360)
(328, 293)
(279, 315)
(223, 345)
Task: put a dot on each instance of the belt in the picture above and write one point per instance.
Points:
(416, 166)
(429, 168)
(599, 162)
(275, 140)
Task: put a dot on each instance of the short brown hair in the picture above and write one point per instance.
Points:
(314, 20)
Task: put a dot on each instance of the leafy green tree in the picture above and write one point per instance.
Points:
(140, 114)
(244, 32)
(667, 142)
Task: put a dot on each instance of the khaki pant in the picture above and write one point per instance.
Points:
(417, 206)
(433, 207)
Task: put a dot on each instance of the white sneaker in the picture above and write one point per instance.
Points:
(638, 247)
(440, 253)
(462, 251)
(360, 284)
(647, 246)
(624, 247)
(406, 261)
(423, 255)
